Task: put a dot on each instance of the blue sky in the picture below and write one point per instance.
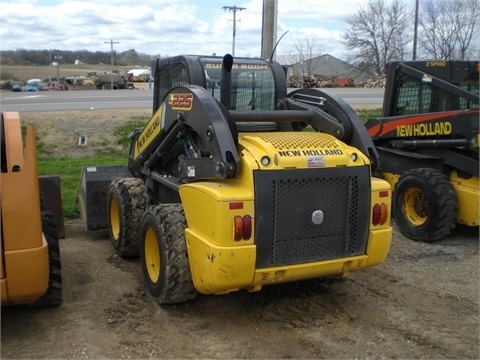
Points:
(172, 27)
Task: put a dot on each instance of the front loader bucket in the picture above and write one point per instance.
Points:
(92, 193)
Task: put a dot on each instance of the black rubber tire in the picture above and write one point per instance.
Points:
(53, 295)
(163, 255)
(425, 205)
(127, 201)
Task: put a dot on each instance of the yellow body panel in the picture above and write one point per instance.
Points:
(219, 264)
(25, 267)
(149, 132)
(468, 199)
(294, 150)
(218, 270)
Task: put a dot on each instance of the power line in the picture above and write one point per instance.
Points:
(234, 9)
(111, 42)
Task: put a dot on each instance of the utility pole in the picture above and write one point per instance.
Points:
(58, 58)
(414, 57)
(111, 42)
(269, 27)
(234, 9)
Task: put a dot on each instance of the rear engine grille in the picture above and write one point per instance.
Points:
(285, 202)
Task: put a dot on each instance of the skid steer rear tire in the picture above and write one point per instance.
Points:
(53, 295)
(163, 255)
(127, 201)
(424, 205)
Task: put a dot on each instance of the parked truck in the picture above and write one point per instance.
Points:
(112, 81)
(233, 184)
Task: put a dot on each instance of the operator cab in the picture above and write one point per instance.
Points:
(417, 94)
(252, 80)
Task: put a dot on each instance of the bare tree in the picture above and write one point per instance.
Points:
(447, 28)
(306, 52)
(376, 34)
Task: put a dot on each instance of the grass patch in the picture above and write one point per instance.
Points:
(366, 114)
(123, 131)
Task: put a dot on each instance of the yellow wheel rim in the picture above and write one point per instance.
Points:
(152, 255)
(415, 206)
(114, 218)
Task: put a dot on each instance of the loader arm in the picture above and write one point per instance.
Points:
(195, 128)
(334, 116)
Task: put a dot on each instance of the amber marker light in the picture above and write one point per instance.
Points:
(242, 227)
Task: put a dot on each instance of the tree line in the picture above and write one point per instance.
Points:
(46, 57)
(383, 31)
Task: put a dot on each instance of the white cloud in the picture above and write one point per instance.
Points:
(167, 27)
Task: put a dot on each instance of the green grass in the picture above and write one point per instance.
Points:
(70, 169)
(366, 114)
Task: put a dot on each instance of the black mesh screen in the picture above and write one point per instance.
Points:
(175, 74)
(253, 90)
(253, 86)
(286, 202)
(473, 87)
(417, 97)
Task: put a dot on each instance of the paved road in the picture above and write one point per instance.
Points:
(76, 100)
(135, 99)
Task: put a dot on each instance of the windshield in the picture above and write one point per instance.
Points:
(252, 83)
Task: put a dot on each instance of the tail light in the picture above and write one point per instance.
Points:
(379, 214)
(242, 227)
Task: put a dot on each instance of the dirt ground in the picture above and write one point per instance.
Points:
(423, 302)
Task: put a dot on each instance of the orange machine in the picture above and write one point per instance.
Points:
(30, 262)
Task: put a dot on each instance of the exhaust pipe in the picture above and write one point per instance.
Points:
(226, 81)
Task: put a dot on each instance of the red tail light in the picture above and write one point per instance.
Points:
(242, 227)
(247, 227)
(379, 214)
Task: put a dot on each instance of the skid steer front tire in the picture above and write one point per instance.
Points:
(127, 201)
(424, 205)
(163, 255)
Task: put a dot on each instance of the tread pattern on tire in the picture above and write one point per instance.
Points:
(53, 295)
(175, 284)
(445, 204)
(133, 200)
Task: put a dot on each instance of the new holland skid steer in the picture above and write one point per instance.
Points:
(225, 188)
(428, 141)
(30, 260)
